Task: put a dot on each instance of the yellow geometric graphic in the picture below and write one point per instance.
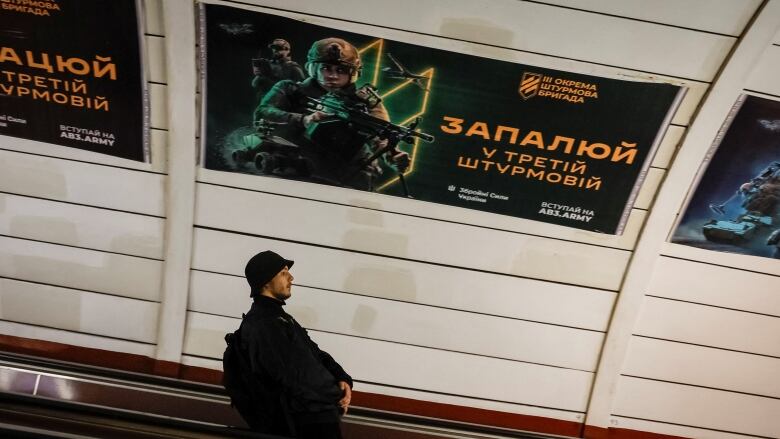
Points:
(423, 108)
(378, 46)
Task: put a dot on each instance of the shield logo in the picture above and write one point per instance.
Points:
(529, 85)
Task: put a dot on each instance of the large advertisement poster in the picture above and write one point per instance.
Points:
(467, 131)
(735, 206)
(70, 74)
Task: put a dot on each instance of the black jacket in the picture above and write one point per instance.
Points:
(290, 365)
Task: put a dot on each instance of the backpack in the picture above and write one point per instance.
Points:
(254, 402)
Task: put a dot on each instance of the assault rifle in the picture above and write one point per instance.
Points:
(357, 118)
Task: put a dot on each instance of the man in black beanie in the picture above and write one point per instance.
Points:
(308, 387)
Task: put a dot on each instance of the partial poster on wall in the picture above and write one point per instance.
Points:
(70, 74)
(434, 125)
(735, 206)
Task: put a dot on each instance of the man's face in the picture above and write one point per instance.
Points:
(280, 52)
(332, 76)
(280, 287)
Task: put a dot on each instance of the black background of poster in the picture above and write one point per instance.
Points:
(467, 87)
(80, 29)
(745, 150)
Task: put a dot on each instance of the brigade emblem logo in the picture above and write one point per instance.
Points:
(529, 85)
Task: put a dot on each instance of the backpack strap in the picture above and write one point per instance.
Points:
(230, 337)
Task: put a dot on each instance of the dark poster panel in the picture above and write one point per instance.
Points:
(736, 205)
(70, 74)
(525, 141)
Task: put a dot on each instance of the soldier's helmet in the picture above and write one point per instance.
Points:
(279, 44)
(334, 51)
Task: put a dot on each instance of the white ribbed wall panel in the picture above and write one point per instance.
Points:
(73, 267)
(81, 183)
(754, 264)
(426, 210)
(715, 285)
(704, 366)
(446, 329)
(158, 106)
(674, 429)
(155, 49)
(79, 311)
(407, 280)
(81, 226)
(153, 23)
(713, 326)
(668, 147)
(408, 237)
(718, 16)
(698, 407)
(404, 281)
(764, 77)
(76, 338)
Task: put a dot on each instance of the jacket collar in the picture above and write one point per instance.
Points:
(267, 303)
